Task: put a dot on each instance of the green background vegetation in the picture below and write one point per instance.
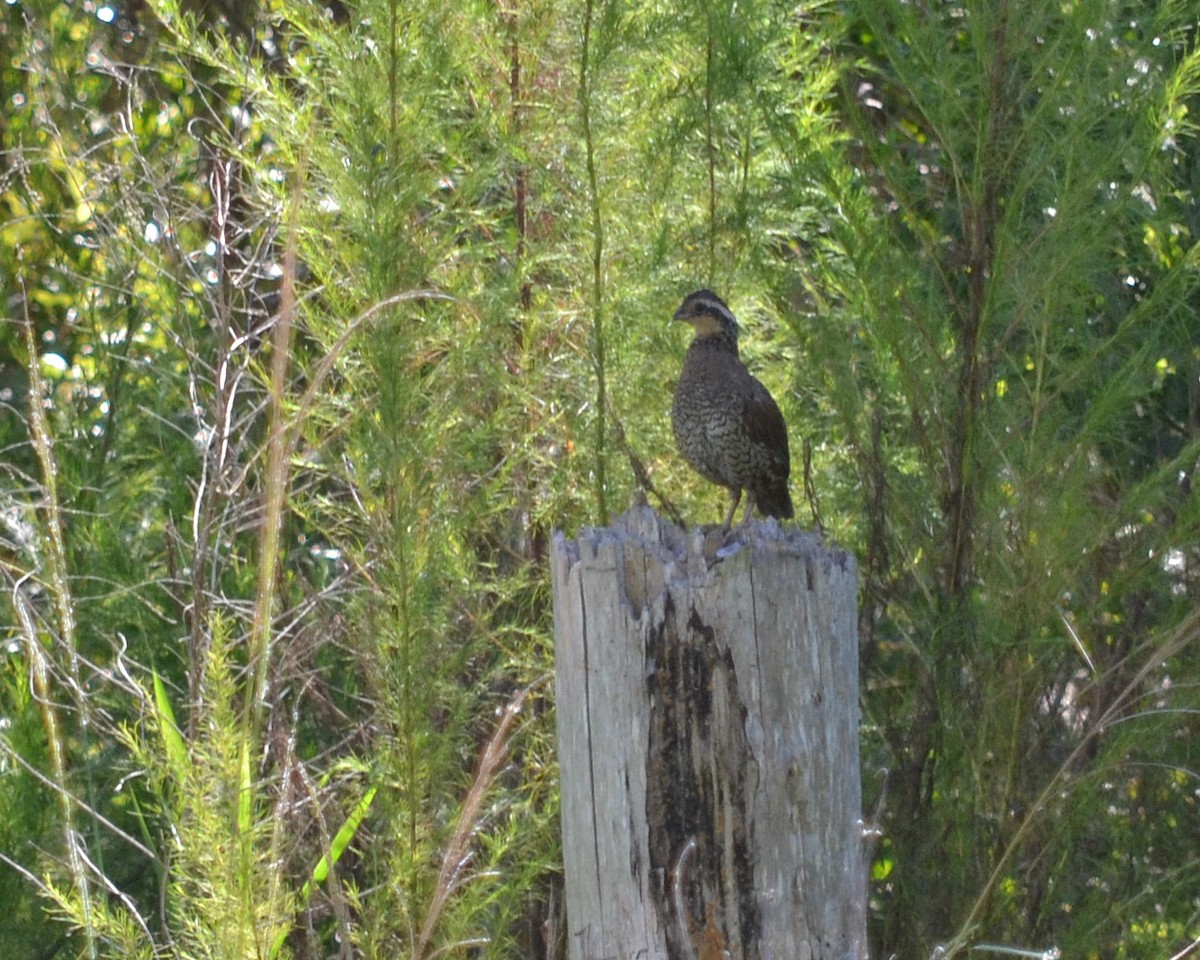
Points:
(319, 318)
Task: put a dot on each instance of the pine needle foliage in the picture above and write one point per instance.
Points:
(1003, 328)
(321, 317)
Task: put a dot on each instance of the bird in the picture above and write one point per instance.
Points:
(726, 424)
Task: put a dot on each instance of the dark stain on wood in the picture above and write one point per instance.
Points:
(701, 779)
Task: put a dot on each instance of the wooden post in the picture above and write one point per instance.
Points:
(707, 697)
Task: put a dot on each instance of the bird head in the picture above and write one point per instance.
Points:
(708, 313)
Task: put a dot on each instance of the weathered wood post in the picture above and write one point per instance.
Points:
(708, 744)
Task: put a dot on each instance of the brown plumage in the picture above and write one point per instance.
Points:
(726, 424)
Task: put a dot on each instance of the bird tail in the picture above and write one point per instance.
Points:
(775, 502)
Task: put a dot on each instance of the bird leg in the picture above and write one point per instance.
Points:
(749, 507)
(737, 497)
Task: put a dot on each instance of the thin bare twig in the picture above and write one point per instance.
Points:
(458, 855)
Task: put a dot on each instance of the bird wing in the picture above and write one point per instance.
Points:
(764, 425)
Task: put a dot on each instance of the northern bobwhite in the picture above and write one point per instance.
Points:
(727, 426)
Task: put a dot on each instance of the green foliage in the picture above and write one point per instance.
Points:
(1006, 320)
(337, 312)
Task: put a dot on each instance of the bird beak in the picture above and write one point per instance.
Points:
(680, 315)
